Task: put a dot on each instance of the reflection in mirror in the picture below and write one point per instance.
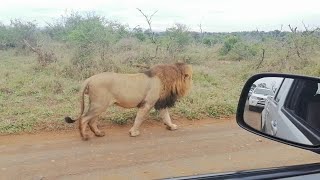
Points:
(285, 108)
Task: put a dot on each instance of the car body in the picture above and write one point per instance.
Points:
(258, 97)
(279, 118)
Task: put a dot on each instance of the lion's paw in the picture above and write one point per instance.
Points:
(172, 127)
(134, 133)
(100, 134)
(85, 137)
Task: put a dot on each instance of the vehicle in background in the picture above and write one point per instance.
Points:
(258, 97)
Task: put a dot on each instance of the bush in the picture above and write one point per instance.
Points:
(229, 44)
(242, 51)
(13, 35)
(139, 34)
(83, 57)
(178, 36)
(209, 41)
(236, 49)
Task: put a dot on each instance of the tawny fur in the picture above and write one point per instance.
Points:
(158, 87)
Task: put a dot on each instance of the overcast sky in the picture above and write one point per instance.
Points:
(214, 15)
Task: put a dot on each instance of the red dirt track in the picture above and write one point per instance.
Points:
(197, 147)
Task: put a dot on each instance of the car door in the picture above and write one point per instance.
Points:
(273, 111)
(272, 107)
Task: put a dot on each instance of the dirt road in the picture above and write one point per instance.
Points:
(197, 147)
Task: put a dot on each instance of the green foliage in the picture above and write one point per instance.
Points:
(242, 51)
(139, 34)
(4, 36)
(229, 44)
(13, 35)
(178, 36)
(209, 41)
(235, 48)
(86, 30)
(90, 34)
(23, 30)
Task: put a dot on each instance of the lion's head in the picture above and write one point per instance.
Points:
(176, 82)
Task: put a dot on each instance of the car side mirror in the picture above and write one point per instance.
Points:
(282, 107)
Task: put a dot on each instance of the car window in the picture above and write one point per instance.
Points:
(301, 102)
(300, 94)
(294, 96)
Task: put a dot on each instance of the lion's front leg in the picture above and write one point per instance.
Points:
(134, 131)
(164, 113)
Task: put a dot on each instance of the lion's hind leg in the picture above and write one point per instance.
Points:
(94, 127)
(93, 112)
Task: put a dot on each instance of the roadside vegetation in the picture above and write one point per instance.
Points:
(41, 68)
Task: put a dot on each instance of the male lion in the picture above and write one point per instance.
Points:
(158, 87)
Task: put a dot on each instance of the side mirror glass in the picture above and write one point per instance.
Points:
(285, 108)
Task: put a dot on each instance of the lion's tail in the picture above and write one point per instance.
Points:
(82, 91)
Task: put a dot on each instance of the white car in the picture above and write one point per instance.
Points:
(258, 97)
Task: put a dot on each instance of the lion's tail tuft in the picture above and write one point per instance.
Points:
(69, 120)
(82, 91)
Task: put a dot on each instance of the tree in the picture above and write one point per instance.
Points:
(179, 35)
(151, 34)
